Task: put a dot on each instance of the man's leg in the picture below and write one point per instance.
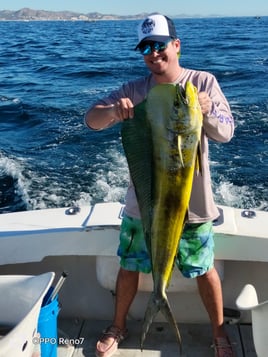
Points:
(209, 286)
(196, 259)
(210, 290)
(126, 289)
(133, 255)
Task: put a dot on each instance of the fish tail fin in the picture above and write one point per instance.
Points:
(152, 309)
(154, 306)
(166, 311)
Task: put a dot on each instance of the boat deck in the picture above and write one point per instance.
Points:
(160, 340)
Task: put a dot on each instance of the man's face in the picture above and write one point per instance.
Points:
(162, 62)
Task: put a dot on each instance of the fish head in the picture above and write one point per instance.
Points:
(194, 109)
(187, 115)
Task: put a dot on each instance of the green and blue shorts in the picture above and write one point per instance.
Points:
(195, 254)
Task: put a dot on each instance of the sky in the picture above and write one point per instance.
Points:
(166, 7)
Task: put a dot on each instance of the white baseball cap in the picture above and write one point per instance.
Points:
(156, 28)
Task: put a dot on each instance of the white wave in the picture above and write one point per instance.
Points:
(14, 168)
(9, 101)
(228, 194)
(111, 182)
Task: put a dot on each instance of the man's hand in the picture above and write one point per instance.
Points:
(205, 103)
(124, 109)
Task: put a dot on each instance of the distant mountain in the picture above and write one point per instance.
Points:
(27, 14)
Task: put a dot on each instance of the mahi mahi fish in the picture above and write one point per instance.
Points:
(161, 144)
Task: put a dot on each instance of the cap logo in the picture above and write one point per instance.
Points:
(148, 26)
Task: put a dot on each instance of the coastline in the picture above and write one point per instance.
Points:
(26, 14)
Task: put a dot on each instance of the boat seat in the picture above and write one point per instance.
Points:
(107, 268)
(248, 300)
(20, 303)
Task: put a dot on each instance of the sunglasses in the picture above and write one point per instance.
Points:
(147, 48)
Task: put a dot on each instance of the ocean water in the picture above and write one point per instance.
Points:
(51, 72)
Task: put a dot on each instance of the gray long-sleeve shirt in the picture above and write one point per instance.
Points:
(217, 125)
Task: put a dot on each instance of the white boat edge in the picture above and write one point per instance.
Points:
(84, 242)
(93, 230)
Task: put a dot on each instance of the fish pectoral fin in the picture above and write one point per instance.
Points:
(198, 160)
(180, 150)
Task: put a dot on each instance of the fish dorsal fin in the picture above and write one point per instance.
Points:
(137, 143)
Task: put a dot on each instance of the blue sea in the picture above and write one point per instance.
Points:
(51, 72)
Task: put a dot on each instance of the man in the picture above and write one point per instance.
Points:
(160, 47)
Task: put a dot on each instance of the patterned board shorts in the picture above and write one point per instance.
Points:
(195, 254)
